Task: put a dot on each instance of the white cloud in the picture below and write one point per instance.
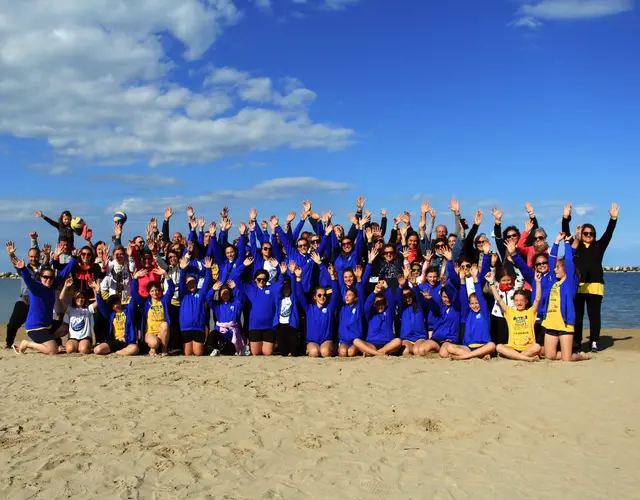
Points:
(575, 9)
(24, 209)
(150, 179)
(526, 22)
(263, 4)
(94, 80)
(45, 168)
(338, 4)
(583, 210)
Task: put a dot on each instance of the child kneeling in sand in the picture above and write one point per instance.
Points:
(122, 337)
(521, 322)
(559, 317)
(474, 310)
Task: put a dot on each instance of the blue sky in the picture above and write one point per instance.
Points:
(143, 104)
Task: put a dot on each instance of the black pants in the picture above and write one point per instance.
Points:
(100, 327)
(18, 317)
(594, 307)
(175, 335)
(499, 330)
(287, 337)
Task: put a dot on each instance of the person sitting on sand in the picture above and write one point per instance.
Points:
(521, 321)
(40, 327)
(474, 311)
(319, 311)
(80, 317)
(379, 310)
(122, 337)
(155, 311)
(413, 311)
(444, 307)
(559, 316)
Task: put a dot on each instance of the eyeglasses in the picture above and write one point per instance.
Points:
(465, 266)
(511, 236)
(539, 238)
(261, 280)
(416, 270)
(86, 254)
(587, 233)
(542, 263)
(46, 276)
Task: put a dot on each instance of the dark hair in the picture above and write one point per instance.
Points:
(315, 289)
(114, 300)
(79, 293)
(352, 289)
(389, 245)
(259, 272)
(538, 255)
(510, 228)
(502, 271)
(349, 270)
(524, 293)
(47, 268)
(464, 258)
(226, 288)
(432, 269)
(98, 243)
(64, 239)
(87, 247)
(153, 284)
(452, 234)
(590, 226)
(119, 248)
(440, 240)
(64, 213)
(146, 254)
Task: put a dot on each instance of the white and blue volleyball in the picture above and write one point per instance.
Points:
(120, 218)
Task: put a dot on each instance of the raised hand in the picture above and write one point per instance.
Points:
(383, 284)
(253, 214)
(11, 247)
(212, 229)
(528, 226)
(68, 283)
(224, 213)
(140, 273)
(497, 214)
(560, 237)
(201, 222)
(168, 213)
(578, 235)
(315, 257)
(151, 244)
(190, 245)
(273, 261)
(373, 253)
(428, 255)
(264, 225)
(366, 219)
(46, 249)
(332, 272)
(432, 212)
(383, 212)
(426, 294)
(33, 235)
(193, 224)
(538, 277)
(39, 214)
(424, 207)
(358, 272)
(298, 272)
(477, 218)
(360, 203)
(190, 212)
(406, 252)
(454, 206)
(217, 285)
(231, 284)
(511, 247)
(248, 261)
(208, 263)
(474, 270)
(306, 206)
(368, 232)
(494, 259)
(93, 284)
(292, 267)
(614, 211)
(283, 267)
(290, 216)
(160, 272)
(490, 277)
(402, 279)
(528, 207)
(117, 229)
(252, 225)
(353, 219)
(242, 227)
(567, 211)
(273, 220)
(447, 254)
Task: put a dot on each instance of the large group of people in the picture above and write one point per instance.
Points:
(331, 290)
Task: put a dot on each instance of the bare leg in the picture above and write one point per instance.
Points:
(353, 351)
(365, 348)
(130, 350)
(444, 350)
(326, 349)
(313, 350)
(197, 348)
(409, 348)
(101, 349)
(343, 350)
(50, 347)
(267, 348)
(551, 346)
(510, 353)
(566, 345)
(483, 352)
(455, 350)
(71, 346)
(256, 348)
(163, 336)
(188, 348)
(85, 346)
(430, 346)
(391, 347)
(153, 342)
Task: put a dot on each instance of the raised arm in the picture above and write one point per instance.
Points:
(491, 280)
(605, 239)
(497, 231)
(68, 284)
(536, 300)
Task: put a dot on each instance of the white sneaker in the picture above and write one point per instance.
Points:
(247, 351)
(594, 347)
(215, 352)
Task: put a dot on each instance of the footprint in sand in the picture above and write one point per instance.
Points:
(376, 487)
(310, 441)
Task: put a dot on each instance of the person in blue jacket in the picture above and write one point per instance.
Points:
(476, 342)
(40, 327)
(193, 313)
(155, 311)
(351, 315)
(319, 311)
(413, 312)
(122, 337)
(380, 312)
(227, 302)
(298, 254)
(559, 314)
(287, 318)
(444, 309)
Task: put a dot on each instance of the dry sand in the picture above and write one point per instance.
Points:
(259, 428)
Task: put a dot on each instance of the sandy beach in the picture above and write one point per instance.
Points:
(245, 428)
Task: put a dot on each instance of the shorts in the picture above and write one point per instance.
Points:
(116, 345)
(80, 340)
(46, 334)
(262, 336)
(475, 347)
(192, 336)
(557, 333)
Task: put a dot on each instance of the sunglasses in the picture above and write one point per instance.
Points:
(407, 296)
(482, 242)
(46, 276)
(441, 245)
(587, 233)
(511, 236)
(303, 245)
(86, 254)
(320, 295)
(266, 249)
(416, 270)
(389, 252)
(542, 263)
(347, 244)
(465, 266)
(539, 238)
(261, 280)
(315, 242)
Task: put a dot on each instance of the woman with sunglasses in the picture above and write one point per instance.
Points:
(588, 261)
(391, 266)
(194, 319)
(148, 264)
(263, 257)
(299, 255)
(380, 313)
(40, 327)
(539, 242)
(350, 252)
(319, 312)
(412, 311)
(262, 300)
(228, 259)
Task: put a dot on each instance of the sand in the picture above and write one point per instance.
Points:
(259, 428)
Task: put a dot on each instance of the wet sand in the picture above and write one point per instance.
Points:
(235, 427)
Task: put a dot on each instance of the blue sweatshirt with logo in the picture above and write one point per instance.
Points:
(319, 318)
(477, 325)
(380, 325)
(193, 317)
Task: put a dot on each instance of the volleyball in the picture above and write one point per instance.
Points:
(120, 218)
(77, 223)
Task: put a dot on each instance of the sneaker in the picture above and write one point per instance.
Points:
(594, 347)
(215, 352)
(247, 350)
